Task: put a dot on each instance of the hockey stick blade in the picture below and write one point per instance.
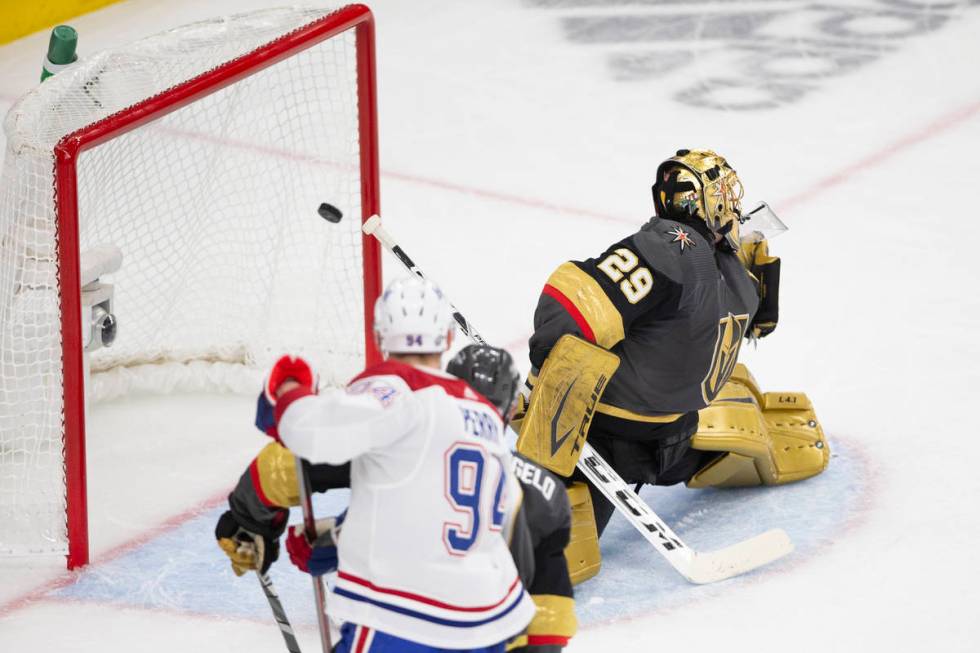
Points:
(371, 225)
(737, 559)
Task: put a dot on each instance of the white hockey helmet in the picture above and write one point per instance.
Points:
(412, 316)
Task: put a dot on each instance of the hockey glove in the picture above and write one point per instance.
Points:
(767, 316)
(248, 550)
(522, 403)
(287, 368)
(765, 269)
(320, 557)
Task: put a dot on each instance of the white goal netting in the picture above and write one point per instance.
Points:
(226, 264)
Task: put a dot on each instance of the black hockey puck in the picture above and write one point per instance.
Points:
(330, 213)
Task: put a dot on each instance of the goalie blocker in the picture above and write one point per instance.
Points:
(562, 404)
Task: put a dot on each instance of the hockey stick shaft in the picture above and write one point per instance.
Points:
(278, 612)
(697, 568)
(309, 527)
(373, 227)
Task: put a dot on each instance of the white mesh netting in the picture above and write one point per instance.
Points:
(226, 263)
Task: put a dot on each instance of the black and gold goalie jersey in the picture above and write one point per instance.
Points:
(674, 307)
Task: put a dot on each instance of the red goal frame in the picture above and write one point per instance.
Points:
(357, 17)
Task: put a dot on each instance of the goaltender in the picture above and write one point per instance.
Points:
(629, 346)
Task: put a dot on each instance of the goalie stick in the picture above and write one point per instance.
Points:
(309, 527)
(699, 568)
(696, 567)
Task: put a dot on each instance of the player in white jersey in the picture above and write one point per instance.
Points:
(424, 564)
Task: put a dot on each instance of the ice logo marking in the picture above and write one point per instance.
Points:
(758, 58)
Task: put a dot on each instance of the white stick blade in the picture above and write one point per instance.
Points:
(371, 225)
(738, 558)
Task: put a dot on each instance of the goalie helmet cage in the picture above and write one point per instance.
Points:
(201, 154)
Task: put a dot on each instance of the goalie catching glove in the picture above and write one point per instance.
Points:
(287, 369)
(249, 548)
(319, 557)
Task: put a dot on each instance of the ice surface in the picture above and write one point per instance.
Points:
(517, 134)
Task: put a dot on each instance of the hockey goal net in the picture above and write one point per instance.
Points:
(200, 155)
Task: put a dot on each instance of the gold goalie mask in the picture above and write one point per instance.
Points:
(701, 184)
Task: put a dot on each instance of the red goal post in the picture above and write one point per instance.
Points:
(73, 147)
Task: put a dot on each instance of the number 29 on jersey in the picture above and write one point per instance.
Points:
(623, 267)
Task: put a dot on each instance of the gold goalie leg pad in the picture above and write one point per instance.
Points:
(582, 552)
(569, 386)
(767, 438)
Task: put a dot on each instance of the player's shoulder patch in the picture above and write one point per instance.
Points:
(416, 379)
(659, 245)
(383, 388)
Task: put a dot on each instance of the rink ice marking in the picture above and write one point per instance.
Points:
(658, 591)
(855, 460)
(69, 577)
(297, 626)
(440, 184)
(925, 133)
(930, 130)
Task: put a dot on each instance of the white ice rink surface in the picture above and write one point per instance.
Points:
(516, 134)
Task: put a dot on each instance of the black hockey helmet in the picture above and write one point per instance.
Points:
(491, 372)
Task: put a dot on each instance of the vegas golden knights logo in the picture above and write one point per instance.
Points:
(731, 330)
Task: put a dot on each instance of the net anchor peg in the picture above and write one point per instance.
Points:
(99, 324)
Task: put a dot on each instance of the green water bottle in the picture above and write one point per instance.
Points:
(61, 50)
